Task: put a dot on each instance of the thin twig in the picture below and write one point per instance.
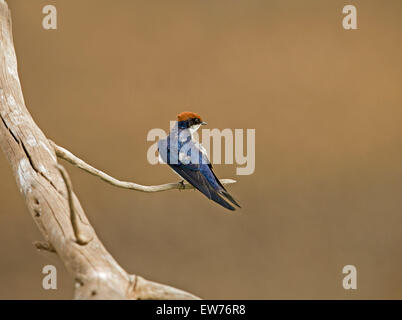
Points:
(80, 238)
(74, 160)
(42, 245)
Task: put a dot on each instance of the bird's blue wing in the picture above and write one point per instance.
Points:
(200, 182)
(198, 173)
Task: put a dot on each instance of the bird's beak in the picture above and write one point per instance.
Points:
(203, 123)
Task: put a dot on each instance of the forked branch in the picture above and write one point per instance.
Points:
(79, 236)
(57, 213)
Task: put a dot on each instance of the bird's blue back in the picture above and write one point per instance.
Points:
(188, 160)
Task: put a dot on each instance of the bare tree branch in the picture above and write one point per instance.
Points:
(34, 164)
(74, 160)
(79, 236)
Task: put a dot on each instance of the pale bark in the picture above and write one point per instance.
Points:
(48, 194)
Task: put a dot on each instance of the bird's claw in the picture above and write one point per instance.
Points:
(181, 185)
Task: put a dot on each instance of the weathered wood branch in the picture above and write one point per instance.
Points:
(51, 200)
(68, 156)
(79, 236)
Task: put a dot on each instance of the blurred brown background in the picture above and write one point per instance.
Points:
(326, 106)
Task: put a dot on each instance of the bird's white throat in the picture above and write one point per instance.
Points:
(194, 128)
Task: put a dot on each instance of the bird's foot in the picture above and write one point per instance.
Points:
(181, 185)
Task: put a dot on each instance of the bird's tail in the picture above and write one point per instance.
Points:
(229, 197)
(220, 200)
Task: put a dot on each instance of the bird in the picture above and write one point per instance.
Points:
(189, 159)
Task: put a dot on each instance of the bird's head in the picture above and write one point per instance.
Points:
(189, 120)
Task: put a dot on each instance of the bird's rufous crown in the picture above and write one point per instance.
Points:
(187, 115)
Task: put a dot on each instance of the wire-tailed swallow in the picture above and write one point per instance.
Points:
(188, 158)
